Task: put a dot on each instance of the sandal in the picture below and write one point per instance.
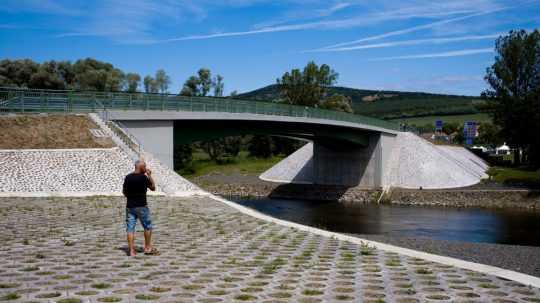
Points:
(152, 252)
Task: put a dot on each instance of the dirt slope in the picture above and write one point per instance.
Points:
(49, 132)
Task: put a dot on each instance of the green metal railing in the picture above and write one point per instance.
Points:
(34, 101)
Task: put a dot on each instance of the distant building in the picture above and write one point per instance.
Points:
(503, 150)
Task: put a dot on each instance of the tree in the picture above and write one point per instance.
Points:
(201, 84)
(48, 76)
(285, 146)
(191, 87)
(183, 156)
(91, 74)
(218, 86)
(84, 74)
(260, 146)
(307, 87)
(17, 72)
(162, 81)
(338, 103)
(205, 81)
(150, 85)
(215, 149)
(450, 128)
(116, 81)
(514, 93)
(489, 134)
(133, 80)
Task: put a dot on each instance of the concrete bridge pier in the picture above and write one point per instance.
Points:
(351, 165)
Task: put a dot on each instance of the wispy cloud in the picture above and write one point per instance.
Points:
(413, 29)
(51, 7)
(458, 53)
(408, 43)
(326, 24)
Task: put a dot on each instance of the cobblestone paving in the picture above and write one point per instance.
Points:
(72, 250)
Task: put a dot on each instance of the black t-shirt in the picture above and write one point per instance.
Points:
(135, 186)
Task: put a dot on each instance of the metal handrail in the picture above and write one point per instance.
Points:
(26, 100)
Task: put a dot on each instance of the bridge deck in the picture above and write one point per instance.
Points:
(28, 101)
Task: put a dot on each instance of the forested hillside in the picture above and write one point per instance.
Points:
(387, 104)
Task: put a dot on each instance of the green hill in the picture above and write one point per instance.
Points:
(388, 104)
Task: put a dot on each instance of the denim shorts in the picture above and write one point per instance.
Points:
(141, 213)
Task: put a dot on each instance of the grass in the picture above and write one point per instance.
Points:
(10, 297)
(419, 121)
(241, 164)
(519, 176)
(51, 131)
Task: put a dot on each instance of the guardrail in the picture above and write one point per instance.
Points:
(28, 101)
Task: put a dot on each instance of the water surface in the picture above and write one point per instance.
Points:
(462, 224)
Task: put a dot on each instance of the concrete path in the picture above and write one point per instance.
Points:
(72, 250)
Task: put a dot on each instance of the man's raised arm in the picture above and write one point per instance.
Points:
(152, 185)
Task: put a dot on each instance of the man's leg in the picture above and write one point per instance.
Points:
(131, 220)
(147, 240)
(131, 243)
(146, 222)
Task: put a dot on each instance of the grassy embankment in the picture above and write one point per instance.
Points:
(515, 176)
(49, 132)
(241, 164)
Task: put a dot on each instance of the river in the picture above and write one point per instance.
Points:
(462, 224)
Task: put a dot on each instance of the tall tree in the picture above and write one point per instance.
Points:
(133, 80)
(514, 94)
(191, 87)
(150, 85)
(201, 84)
(307, 87)
(218, 86)
(91, 74)
(205, 81)
(163, 81)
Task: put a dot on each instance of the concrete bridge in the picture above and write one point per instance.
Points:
(348, 149)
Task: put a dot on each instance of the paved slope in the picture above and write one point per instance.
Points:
(211, 252)
(414, 162)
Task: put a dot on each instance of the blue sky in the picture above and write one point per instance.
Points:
(414, 45)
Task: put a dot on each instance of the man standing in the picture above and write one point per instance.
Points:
(135, 187)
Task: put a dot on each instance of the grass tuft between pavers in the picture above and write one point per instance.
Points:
(109, 299)
(10, 297)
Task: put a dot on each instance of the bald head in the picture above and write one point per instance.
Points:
(140, 166)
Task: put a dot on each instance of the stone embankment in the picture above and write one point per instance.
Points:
(487, 198)
(478, 197)
(81, 171)
(63, 171)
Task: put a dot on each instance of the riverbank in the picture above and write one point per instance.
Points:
(525, 259)
(488, 195)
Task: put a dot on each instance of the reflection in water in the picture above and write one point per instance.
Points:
(463, 224)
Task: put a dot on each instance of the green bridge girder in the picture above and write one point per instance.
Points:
(189, 131)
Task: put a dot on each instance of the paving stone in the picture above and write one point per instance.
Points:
(73, 250)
